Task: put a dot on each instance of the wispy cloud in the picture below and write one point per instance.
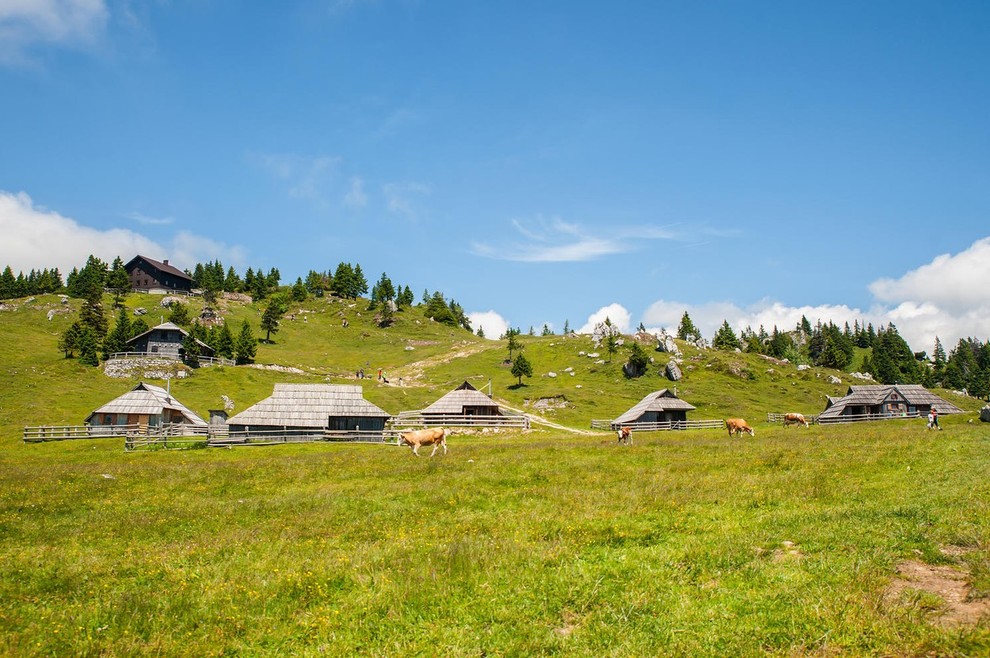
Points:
(141, 218)
(555, 240)
(356, 196)
(28, 25)
(404, 198)
(309, 178)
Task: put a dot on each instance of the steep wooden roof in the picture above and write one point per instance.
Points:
(160, 266)
(308, 405)
(146, 399)
(454, 402)
(662, 400)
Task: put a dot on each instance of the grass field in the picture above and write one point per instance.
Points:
(686, 543)
(545, 542)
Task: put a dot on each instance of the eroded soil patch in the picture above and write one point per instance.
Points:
(950, 584)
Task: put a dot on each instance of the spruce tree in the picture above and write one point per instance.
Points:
(89, 347)
(246, 345)
(118, 281)
(68, 342)
(725, 338)
(521, 367)
(224, 342)
(271, 317)
(116, 340)
(686, 329)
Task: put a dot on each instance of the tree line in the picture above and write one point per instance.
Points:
(889, 359)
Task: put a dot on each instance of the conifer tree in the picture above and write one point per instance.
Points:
(298, 290)
(89, 346)
(725, 338)
(686, 329)
(513, 344)
(68, 342)
(118, 281)
(271, 317)
(116, 340)
(246, 345)
(521, 367)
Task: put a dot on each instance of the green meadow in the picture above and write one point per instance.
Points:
(541, 542)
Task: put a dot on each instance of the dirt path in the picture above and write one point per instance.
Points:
(411, 374)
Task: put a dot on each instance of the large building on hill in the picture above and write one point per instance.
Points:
(885, 401)
(165, 340)
(151, 275)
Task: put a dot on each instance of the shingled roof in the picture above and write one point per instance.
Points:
(146, 399)
(872, 395)
(308, 405)
(659, 401)
(463, 396)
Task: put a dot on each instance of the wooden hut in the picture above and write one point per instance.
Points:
(311, 409)
(465, 400)
(657, 408)
(884, 401)
(144, 406)
(165, 340)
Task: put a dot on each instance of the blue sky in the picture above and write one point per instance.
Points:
(536, 162)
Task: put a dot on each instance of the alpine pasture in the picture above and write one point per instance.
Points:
(550, 541)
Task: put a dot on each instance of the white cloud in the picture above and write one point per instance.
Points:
(25, 24)
(38, 238)
(493, 324)
(616, 314)
(955, 283)
(315, 179)
(555, 240)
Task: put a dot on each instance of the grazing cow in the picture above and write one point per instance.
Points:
(794, 419)
(432, 436)
(625, 435)
(738, 426)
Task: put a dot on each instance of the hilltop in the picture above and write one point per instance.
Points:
(330, 339)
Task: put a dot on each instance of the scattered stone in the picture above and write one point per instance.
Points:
(861, 375)
(985, 414)
(228, 404)
(168, 301)
(140, 310)
(592, 355)
(551, 374)
(665, 343)
(673, 371)
(832, 379)
(802, 367)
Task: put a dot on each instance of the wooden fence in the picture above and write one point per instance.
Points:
(407, 420)
(278, 437)
(609, 425)
(860, 418)
(45, 433)
(774, 417)
(203, 360)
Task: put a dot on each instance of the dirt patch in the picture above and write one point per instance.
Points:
(548, 404)
(950, 584)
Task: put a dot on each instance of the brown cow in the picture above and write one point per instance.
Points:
(794, 419)
(738, 426)
(432, 436)
(625, 435)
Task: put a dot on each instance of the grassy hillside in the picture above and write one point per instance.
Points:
(422, 360)
(541, 542)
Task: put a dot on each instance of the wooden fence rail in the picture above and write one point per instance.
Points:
(44, 433)
(610, 425)
(774, 417)
(415, 419)
(859, 418)
(168, 356)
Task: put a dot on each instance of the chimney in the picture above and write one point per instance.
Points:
(165, 262)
